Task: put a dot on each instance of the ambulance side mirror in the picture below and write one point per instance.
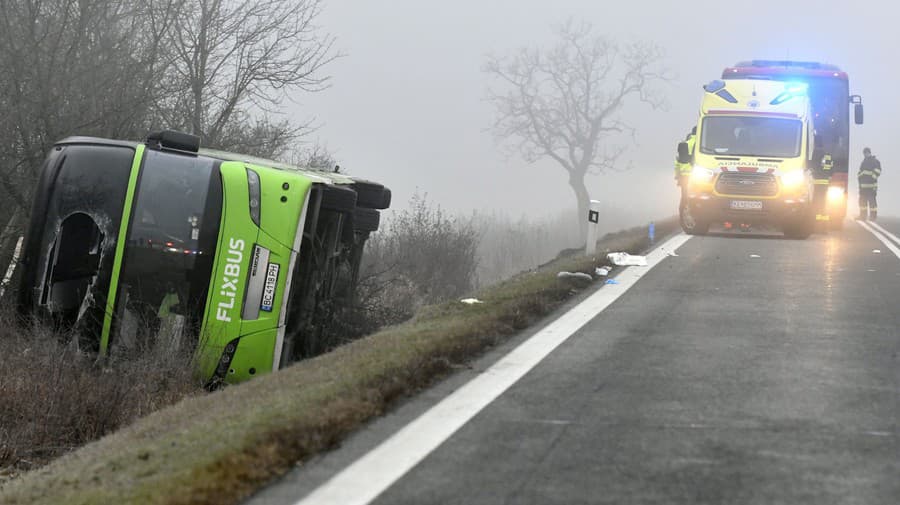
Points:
(684, 153)
(858, 113)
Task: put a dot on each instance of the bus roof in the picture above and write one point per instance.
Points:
(775, 69)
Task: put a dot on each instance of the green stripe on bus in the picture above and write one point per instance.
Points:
(120, 249)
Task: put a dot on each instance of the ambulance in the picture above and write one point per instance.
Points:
(755, 145)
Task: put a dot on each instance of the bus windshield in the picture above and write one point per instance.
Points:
(170, 248)
(831, 113)
(751, 136)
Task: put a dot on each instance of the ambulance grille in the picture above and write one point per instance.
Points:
(746, 184)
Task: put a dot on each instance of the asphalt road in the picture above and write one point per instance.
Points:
(747, 370)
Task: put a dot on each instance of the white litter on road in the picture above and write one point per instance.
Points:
(755, 256)
(575, 275)
(470, 301)
(365, 479)
(627, 260)
(602, 271)
(876, 251)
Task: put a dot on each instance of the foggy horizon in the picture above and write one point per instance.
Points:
(407, 103)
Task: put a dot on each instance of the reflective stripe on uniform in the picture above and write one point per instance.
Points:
(868, 186)
(822, 181)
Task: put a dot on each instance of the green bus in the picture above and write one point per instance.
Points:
(161, 242)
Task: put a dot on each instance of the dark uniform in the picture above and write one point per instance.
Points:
(869, 172)
(821, 180)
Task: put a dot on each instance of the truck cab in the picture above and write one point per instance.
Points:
(755, 143)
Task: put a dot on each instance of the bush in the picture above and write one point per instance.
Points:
(56, 398)
(421, 256)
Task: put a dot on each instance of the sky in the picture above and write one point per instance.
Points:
(407, 103)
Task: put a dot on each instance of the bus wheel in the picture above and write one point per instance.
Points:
(338, 198)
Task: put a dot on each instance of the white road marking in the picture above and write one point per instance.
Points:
(366, 478)
(11, 269)
(886, 233)
(883, 237)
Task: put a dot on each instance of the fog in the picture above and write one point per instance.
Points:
(407, 103)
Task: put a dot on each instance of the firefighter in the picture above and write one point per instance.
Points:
(869, 172)
(683, 167)
(821, 180)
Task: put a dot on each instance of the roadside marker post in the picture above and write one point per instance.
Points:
(593, 217)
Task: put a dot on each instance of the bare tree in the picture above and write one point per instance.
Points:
(316, 156)
(70, 67)
(565, 102)
(236, 59)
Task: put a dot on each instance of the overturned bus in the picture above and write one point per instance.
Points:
(133, 242)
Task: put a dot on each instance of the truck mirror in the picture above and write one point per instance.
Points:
(858, 113)
(684, 153)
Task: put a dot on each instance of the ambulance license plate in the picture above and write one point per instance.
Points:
(746, 205)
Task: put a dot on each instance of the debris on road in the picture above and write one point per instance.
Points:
(581, 276)
(471, 301)
(627, 260)
(755, 256)
(602, 271)
(669, 253)
(876, 251)
(611, 281)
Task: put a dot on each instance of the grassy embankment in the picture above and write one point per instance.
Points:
(219, 448)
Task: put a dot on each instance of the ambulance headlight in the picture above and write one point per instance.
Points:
(702, 174)
(793, 179)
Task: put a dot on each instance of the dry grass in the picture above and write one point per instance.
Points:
(56, 399)
(218, 448)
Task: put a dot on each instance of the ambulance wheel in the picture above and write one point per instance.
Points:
(691, 224)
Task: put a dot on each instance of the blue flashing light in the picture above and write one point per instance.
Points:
(791, 90)
(783, 97)
(714, 86)
(796, 88)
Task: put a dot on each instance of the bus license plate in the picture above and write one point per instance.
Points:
(268, 297)
(746, 205)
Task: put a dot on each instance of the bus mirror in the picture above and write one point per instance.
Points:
(684, 154)
(858, 113)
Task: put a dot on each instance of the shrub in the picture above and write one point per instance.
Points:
(56, 398)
